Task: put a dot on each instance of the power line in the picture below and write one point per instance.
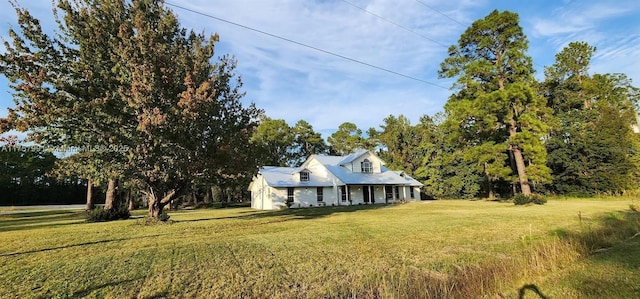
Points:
(305, 45)
(443, 14)
(395, 24)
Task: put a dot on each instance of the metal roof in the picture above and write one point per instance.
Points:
(289, 176)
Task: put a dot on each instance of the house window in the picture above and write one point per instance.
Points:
(319, 193)
(343, 193)
(290, 194)
(366, 166)
(397, 192)
(304, 176)
(412, 194)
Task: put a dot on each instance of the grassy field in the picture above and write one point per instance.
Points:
(436, 249)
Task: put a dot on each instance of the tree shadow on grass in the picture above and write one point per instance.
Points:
(296, 213)
(603, 231)
(532, 288)
(34, 220)
(79, 245)
(86, 292)
(27, 214)
(612, 253)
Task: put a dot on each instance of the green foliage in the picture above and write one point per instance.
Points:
(307, 142)
(593, 148)
(442, 168)
(521, 199)
(495, 110)
(538, 199)
(126, 75)
(26, 178)
(347, 139)
(163, 218)
(278, 144)
(119, 212)
(400, 143)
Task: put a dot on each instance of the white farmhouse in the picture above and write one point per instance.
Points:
(359, 178)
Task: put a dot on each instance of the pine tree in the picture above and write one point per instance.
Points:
(496, 100)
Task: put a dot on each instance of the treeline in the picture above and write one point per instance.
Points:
(164, 122)
(502, 131)
(25, 179)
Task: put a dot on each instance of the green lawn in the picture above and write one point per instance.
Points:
(566, 249)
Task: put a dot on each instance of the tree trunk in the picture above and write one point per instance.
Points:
(207, 195)
(155, 208)
(132, 204)
(522, 173)
(519, 161)
(111, 194)
(156, 205)
(194, 198)
(89, 205)
(492, 194)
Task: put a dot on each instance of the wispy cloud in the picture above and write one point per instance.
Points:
(610, 26)
(578, 17)
(295, 82)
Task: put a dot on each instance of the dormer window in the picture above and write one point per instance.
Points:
(365, 166)
(304, 176)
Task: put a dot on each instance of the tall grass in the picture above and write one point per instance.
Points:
(491, 276)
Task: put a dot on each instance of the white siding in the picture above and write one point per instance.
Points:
(266, 197)
(278, 198)
(308, 197)
(358, 198)
(376, 163)
(260, 194)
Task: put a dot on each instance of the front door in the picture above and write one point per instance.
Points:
(388, 193)
(367, 194)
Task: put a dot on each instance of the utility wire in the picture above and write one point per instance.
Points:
(443, 14)
(395, 24)
(305, 45)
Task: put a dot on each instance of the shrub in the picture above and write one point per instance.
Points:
(100, 215)
(538, 199)
(521, 199)
(163, 217)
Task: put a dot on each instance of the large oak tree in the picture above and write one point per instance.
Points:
(125, 76)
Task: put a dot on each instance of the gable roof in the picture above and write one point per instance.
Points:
(359, 153)
(350, 158)
(289, 177)
(385, 177)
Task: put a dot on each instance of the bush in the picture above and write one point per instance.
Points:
(163, 217)
(100, 215)
(521, 199)
(538, 199)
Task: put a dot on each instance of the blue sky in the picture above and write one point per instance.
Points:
(409, 37)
